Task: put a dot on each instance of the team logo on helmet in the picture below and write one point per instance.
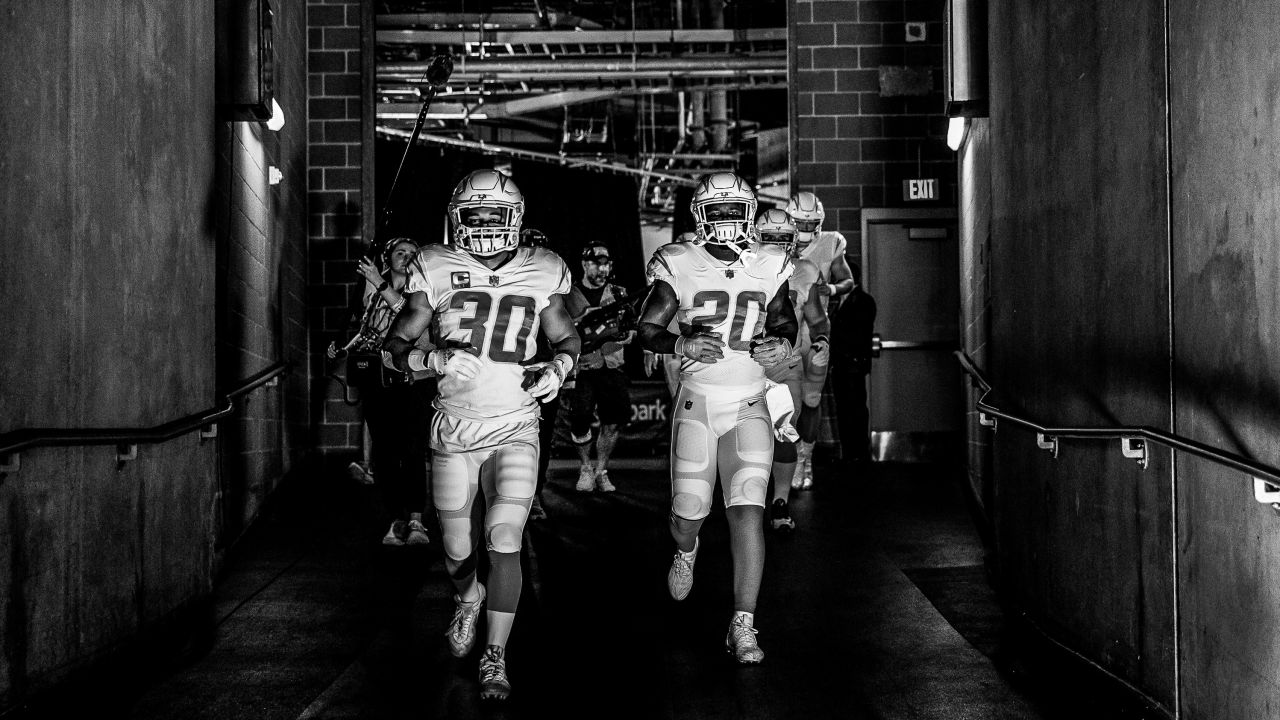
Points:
(485, 213)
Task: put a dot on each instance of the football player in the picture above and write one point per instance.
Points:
(805, 370)
(486, 299)
(733, 304)
(825, 249)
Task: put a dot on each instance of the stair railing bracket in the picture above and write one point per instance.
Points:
(1049, 443)
(1135, 448)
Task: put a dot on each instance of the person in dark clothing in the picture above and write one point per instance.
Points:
(397, 406)
(852, 326)
(601, 386)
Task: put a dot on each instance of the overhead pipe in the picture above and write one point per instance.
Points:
(719, 99)
(591, 68)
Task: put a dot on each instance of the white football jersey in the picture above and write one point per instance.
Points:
(802, 283)
(730, 300)
(824, 249)
(495, 315)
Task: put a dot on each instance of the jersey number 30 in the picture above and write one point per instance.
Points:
(748, 313)
(501, 347)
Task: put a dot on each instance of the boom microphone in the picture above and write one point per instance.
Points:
(439, 70)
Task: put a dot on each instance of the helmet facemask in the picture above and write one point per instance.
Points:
(485, 212)
(774, 227)
(805, 210)
(484, 227)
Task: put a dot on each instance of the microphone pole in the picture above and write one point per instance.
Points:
(437, 76)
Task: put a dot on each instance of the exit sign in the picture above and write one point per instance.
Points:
(920, 189)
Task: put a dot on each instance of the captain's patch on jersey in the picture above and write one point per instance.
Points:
(460, 279)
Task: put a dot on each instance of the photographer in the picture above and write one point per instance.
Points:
(397, 408)
(601, 386)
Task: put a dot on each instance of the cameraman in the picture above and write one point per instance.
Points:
(601, 385)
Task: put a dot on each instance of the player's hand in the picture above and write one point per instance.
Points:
(626, 339)
(546, 382)
(369, 271)
(769, 351)
(820, 351)
(454, 362)
(703, 348)
(331, 352)
(650, 362)
(824, 289)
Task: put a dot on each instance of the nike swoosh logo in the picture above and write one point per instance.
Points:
(752, 402)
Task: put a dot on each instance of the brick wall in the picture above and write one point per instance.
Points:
(262, 293)
(340, 131)
(859, 129)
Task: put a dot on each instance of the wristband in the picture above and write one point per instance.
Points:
(416, 360)
(564, 363)
(834, 290)
(385, 284)
(821, 339)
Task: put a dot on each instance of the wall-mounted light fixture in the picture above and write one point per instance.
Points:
(276, 121)
(966, 54)
(957, 129)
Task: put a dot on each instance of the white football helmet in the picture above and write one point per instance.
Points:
(775, 227)
(723, 208)
(806, 212)
(491, 190)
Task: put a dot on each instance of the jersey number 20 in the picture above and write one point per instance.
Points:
(748, 312)
(500, 347)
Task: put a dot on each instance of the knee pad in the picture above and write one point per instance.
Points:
(812, 397)
(784, 452)
(584, 439)
(748, 486)
(456, 536)
(504, 526)
(505, 538)
(690, 506)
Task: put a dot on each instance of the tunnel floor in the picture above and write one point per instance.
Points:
(878, 606)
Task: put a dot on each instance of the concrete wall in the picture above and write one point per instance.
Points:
(117, 215)
(860, 127)
(1126, 290)
(1224, 75)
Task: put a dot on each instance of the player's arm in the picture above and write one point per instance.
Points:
(659, 308)
(780, 316)
(408, 326)
(557, 326)
(819, 329)
(816, 317)
(841, 277)
(780, 329)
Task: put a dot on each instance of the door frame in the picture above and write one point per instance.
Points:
(889, 447)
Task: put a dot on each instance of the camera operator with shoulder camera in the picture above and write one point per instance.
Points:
(605, 320)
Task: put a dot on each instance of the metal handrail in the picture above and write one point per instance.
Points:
(1266, 478)
(18, 440)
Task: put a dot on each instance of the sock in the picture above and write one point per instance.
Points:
(744, 618)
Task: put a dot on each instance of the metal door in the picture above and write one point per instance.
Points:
(911, 268)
